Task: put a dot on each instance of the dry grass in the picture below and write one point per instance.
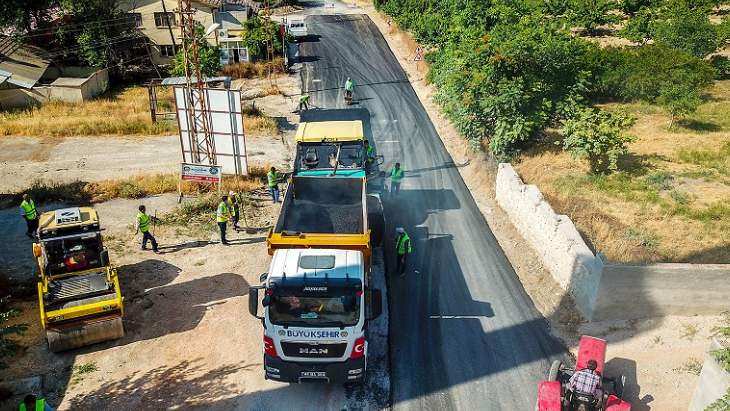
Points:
(126, 113)
(258, 69)
(671, 200)
(123, 113)
(79, 192)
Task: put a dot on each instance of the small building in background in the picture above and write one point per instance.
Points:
(28, 78)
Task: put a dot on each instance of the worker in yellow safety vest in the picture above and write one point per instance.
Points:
(272, 180)
(396, 175)
(143, 226)
(30, 215)
(222, 215)
(235, 208)
(31, 403)
(403, 247)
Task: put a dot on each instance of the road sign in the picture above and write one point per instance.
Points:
(202, 173)
(419, 54)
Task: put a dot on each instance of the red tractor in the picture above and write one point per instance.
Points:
(555, 394)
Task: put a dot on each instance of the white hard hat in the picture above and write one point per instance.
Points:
(400, 230)
(231, 193)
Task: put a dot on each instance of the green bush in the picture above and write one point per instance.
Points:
(686, 29)
(597, 136)
(8, 346)
(680, 100)
(721, 64)
(590, 14)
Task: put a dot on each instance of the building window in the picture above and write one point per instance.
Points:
(164, 19)
(167, 50)
(136, 19)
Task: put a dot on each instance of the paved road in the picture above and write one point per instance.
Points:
(464, 334)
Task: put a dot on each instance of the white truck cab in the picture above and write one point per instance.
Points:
(297, 28)
(316, 306)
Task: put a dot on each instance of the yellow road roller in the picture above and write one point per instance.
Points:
(78, 290)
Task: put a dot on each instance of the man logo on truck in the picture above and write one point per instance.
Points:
(313, 351)
(319, 289)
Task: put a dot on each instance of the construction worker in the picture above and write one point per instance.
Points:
(349, 88)
(143, 225)
(272, 178)
(369, 155)
(235, 208)
(31, 403)
(396, 175)
(403, 247)
(30, 214)
(303, 102)
(222, 215)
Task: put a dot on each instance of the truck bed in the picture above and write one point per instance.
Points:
(323, 205)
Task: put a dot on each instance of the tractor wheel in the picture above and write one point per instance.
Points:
(554, 369)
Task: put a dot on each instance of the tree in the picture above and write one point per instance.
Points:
(104, 30)
(590, 14)
(597, 136)
(8, 346)
(21, 16)
(209, 56)
(686, 29)
(679, 100)
(258, 33)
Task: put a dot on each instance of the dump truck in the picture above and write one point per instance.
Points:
(331, 148)
(317, 298)
(78, 289)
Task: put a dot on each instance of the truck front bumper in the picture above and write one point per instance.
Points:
(296, 372)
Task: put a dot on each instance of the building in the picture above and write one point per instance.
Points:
(158, 21)
(28, 78)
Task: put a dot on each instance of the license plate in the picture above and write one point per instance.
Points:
(314, 374)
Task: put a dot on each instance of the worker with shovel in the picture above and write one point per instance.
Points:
(143, 225)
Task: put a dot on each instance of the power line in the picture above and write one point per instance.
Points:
(62, 30)
(49, 30)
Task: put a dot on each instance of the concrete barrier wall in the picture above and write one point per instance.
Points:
(713, 383)
(553, 236)
(631, 291)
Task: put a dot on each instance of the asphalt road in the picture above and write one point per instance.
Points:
(464, 334)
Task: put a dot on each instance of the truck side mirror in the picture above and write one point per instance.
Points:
(376, 304)
(253, 302)
(104, 257)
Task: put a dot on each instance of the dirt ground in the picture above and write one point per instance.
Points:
(661, 377)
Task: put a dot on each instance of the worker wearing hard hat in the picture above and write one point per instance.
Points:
(222, 215)
(143, 226)
(403, 247)
(396, 175)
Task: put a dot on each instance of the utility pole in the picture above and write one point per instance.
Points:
(202, 145)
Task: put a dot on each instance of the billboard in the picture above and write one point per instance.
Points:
(225, 122)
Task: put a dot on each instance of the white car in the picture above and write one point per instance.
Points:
(297, 28)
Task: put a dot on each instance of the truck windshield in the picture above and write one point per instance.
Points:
(340, 310)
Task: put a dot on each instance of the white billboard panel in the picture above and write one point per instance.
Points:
(225, 122)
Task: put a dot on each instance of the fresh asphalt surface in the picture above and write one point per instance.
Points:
(464, 334)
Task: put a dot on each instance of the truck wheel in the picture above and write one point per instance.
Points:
(554, 369)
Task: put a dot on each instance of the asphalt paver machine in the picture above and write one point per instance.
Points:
(79, 296)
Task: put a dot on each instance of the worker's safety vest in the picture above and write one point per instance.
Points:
(396, 175)
(273, 179)
(403, 244)
(349, 85)
(40, 405)
(29, 210)
(304, 98)
(370, 152)
(143, 222)
(233, 204)
(222, 213)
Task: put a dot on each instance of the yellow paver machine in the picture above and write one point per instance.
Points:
(78, 290)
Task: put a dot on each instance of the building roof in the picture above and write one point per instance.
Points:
(25, 64)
